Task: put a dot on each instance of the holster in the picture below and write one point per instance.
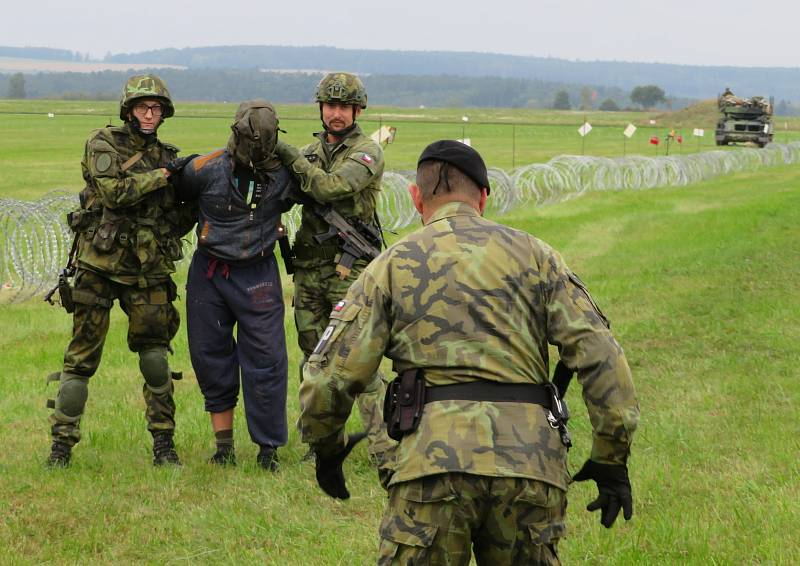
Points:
(65, 293)
(404, 402)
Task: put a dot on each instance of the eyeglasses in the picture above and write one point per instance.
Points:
(142, 108)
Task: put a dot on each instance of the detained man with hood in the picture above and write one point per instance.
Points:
(233, 279)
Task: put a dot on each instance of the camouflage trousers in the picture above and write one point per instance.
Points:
(316, 291)
(152, 322)
(440, 520)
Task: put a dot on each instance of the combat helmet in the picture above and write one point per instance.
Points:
(145, 86)
(342, 88)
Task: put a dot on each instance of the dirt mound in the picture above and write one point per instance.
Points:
(704, 114)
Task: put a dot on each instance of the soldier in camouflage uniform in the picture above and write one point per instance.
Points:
(343, 168)
(473, 304)
(128, 232)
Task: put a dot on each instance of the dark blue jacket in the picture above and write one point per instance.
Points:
(229, 228)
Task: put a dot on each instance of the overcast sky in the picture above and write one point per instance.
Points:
(699, 32)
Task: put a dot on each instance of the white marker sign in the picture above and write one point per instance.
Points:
(585, 129)
(698, 132)
(629, 131)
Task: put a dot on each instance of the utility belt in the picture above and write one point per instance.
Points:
(407, 395)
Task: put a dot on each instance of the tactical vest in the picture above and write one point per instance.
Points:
(138, 240)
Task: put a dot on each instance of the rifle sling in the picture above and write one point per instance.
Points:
(132, 161)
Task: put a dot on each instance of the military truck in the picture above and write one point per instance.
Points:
(743, 120)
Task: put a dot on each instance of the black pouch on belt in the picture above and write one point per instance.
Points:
(405, 399)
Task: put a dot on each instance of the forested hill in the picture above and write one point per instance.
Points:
(677, 80)
(242, 84)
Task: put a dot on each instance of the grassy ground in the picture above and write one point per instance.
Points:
(38, 153)
(700, 284)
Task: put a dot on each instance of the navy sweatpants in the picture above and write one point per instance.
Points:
(249, 297)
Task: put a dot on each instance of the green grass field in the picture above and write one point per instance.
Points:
(701, 286)
(38, 153)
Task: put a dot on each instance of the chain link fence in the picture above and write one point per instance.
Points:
(35, 240)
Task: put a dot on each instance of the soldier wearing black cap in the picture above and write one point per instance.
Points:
(466, 309)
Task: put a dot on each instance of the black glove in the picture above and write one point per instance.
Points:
(330, 476)
(614, 487)
(176, 165)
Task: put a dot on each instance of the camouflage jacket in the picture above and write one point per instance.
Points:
(348, 177)
(468, 299)
(130, 222)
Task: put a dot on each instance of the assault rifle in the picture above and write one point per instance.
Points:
(359, 240)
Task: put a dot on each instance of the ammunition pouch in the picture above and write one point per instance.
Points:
(105, 237)
(404, 402)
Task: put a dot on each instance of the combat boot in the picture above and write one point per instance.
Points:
(164, 450)
(268, 458)
(60, 454)
(223, 457)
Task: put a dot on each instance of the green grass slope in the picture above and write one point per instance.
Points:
(700, 284)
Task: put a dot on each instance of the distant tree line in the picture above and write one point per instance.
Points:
(396, 90)
(47, 53)
(683, 82)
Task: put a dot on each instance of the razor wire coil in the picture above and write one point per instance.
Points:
(35, 239)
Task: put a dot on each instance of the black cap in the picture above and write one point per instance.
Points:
(461, 156)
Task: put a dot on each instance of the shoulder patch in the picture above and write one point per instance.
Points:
(102, 162)
(203, 160)
(364, 158)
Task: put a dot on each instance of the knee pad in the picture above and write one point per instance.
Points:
(72, 394)
(155, 369)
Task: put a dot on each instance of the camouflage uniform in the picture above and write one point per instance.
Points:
(347, 175)
(468, 299)
(128, 240)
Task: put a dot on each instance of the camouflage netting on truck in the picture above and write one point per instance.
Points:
(730, 103)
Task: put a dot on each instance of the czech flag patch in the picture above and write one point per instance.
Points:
(339, 306)
(366, 159)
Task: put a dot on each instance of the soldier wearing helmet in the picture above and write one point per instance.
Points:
(127, 240)
(342, 168)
